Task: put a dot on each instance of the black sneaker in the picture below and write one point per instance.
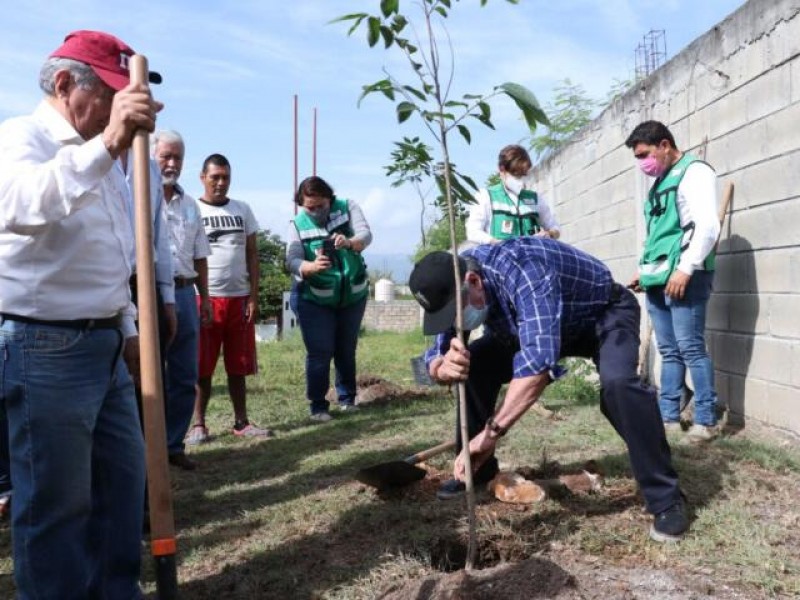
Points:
(451, 489)
(671, 524)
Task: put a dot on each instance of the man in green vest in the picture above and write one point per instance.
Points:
(676, 271)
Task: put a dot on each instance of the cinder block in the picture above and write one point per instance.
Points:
(771, 360)
(783, 42)
(732, 352)
(753, 226)
(700, 132)
(727, 114)
(748, 314)
(767, 182)
(755, 400)
(768, 93)
(794, 74)
(745, 146)
(717, 312)
(781, 130)
(783, 408)
(777, 271)
(783, 315)
(796, 367)
(784, 217)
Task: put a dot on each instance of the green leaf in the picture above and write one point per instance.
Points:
(465, 133)
(441, 11)
(455, 103)
(389, 6)
(470, 181)
(355, 25)
(485, 120)
(351, 16)
(398, 23)
(472, 96)
(405, 110)
(445, 2)
(486, 110)
(388, 36)
(415, 92)
(526, 102)
(373, 30)
(383, 86)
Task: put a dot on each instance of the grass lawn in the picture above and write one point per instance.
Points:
(283, 518)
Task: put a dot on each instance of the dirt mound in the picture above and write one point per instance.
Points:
(541, 577)
(372, 390)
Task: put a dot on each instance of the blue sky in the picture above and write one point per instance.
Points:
(231, 70)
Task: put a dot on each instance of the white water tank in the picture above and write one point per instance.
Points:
(384, 290)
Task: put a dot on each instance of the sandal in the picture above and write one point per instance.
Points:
(197, 435)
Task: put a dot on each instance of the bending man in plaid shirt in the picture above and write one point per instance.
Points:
(541, 300)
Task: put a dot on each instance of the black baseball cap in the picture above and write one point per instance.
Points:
(433, 285)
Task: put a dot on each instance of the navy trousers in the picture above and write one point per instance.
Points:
(630, 406)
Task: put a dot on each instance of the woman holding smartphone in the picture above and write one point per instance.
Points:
(330, 289)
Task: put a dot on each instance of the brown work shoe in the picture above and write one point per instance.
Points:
(182, 461)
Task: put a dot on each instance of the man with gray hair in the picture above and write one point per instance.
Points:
(190, 248)
(67, 334)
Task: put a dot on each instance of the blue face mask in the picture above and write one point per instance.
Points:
(474, 317)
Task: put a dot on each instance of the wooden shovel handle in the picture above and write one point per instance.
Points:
(727, 196)
(430, 452)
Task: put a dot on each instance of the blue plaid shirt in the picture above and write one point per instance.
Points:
(543, 295)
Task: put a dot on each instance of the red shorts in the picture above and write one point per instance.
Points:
(230, 330)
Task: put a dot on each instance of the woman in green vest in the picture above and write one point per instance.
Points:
(510, 208)
(331, 287)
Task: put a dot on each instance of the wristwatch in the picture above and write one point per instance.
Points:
(494, 430)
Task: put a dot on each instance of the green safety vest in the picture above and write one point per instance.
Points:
(666, 239)
(345, 282)
(511, 220)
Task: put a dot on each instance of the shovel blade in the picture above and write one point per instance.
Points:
(396, 473)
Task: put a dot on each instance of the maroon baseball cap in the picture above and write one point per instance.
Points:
(108, 56)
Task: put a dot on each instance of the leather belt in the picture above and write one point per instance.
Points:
(183, 281)
(114, 322)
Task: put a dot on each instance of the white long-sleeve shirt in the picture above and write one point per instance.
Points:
(187, 234)
(65, 235)
(479, 221)
(161, 251)
(697, 201)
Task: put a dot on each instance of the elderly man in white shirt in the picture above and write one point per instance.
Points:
(66, 322)
(189, 246)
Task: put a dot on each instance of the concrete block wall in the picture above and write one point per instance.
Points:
(397, 315)
(733, 97)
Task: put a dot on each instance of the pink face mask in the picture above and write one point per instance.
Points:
(651, 167)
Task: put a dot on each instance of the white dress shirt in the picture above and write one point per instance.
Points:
(479, 222)
(161, 256)
(187, 236)
(65, 235)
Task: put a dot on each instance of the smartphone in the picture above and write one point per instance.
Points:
(328, 248)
